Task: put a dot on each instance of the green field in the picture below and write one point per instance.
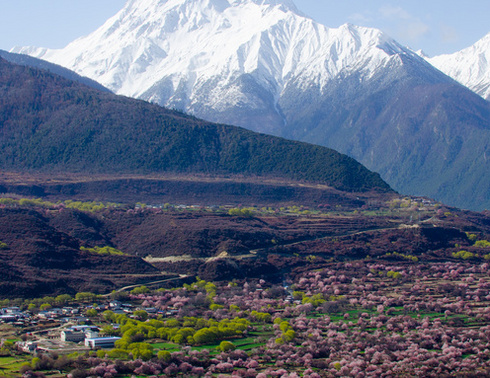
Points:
(171, 347)
(245, 344)
(9, 366)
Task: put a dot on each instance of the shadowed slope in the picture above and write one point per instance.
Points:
(51, 124)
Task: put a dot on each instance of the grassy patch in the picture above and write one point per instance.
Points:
(171, 347)
(212, 348)
(9, 366)
(248, 343)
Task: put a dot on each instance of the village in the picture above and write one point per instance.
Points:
(69, 329)
(343, 320)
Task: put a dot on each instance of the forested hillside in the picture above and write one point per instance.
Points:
(50, 124)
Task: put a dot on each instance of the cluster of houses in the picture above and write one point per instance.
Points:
(121, 308)
(118, 307)
(13, 315)
(63, 315)
(22, 318)
(73, 326)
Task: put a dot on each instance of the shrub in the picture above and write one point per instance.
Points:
(226, 346)
(107, 251)
(243, 212)
(465, 255)
(401, 255)
(142, 315)
(101, 353)
(263, 317)
(140, 290)
(214, 307)
(164, 355)
(479, 243)
(393, 274)
(92, 313)
(315, 300)
(25, 368)
(119, 354)
(85, 297)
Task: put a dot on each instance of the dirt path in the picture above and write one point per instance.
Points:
(314, 239)
(151, 283)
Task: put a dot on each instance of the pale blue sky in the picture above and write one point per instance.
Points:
(436, 26)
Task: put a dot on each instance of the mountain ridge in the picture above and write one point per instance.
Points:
(50, 124)
(272, 70)
(470, 66)
(203, 22)
(26, 60)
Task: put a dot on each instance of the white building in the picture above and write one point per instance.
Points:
(28, 346)
(101, 342)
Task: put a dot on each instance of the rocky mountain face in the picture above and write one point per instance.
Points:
(265, 66)
(470, 66)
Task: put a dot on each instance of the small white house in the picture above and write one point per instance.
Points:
(27, 346)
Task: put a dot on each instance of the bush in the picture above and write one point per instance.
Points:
(85, 297)
(315, 300)
(105, 251)
(479, 243)
(215, 307)
(119, 354)
(164, 355)
(394, 274)
(226, 346)
(243, 212)
(101, 353)
(142, 315)
(92, 313)
(262, 317)
(465, 255)
(140, 290)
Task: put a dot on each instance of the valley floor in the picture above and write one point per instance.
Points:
(360, 285)
(356, 319)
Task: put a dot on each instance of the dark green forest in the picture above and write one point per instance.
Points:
(50, 124)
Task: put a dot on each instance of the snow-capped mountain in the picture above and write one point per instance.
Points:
(197, 55)
(470, 66)
(263, 65)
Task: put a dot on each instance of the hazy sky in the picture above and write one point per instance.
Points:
(436, 26)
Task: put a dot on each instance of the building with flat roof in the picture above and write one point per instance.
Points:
(101, 342)
(73, 336)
